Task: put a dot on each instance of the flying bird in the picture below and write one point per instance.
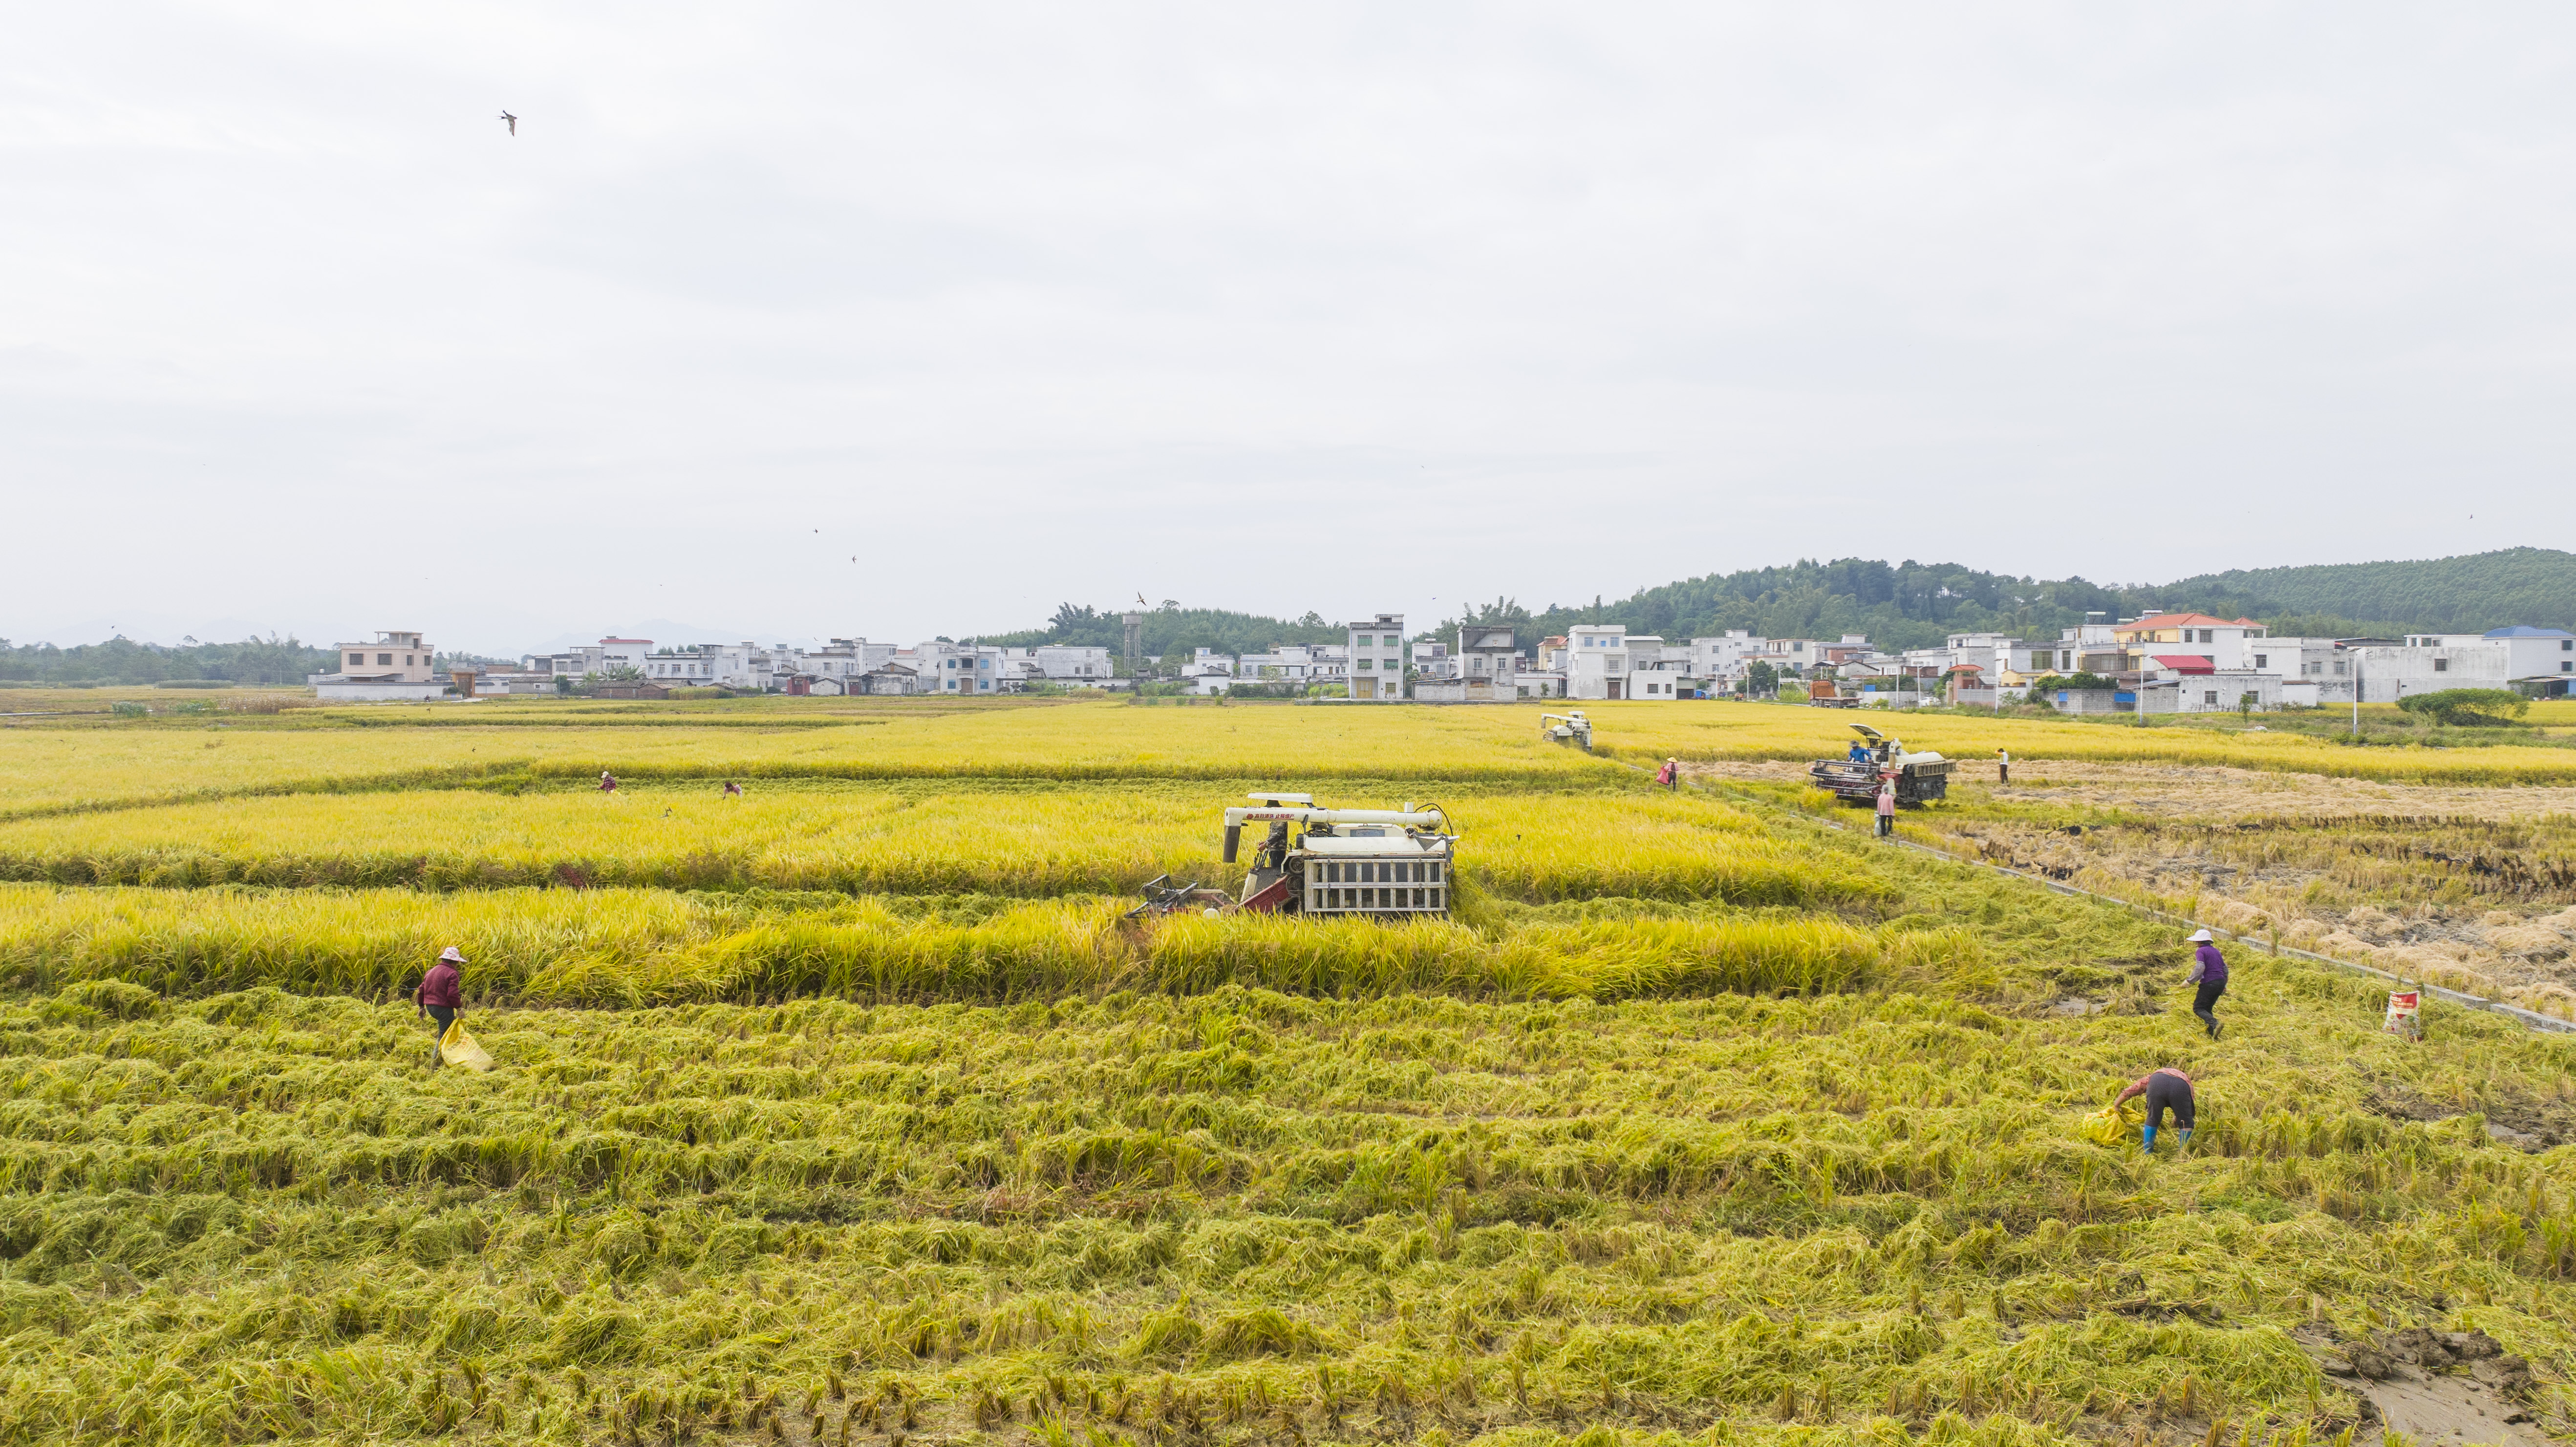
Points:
(513, 120)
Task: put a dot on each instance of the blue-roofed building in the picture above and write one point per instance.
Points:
(2539, 654)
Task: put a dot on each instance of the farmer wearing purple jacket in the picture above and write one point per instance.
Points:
(2209, 971)
(439, 996)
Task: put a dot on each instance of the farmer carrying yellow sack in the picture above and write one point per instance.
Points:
(441, 998)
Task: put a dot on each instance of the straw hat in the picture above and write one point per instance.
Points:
(2198, 934)
(451, 955)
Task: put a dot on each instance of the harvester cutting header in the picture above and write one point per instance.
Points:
(1367, 862)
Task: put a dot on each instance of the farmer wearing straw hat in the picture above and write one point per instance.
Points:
(2165, 1089)
(2209, 971)
(438, 997)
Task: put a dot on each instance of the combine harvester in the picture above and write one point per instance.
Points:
(1370, 863)
(1919, 777)
(1570, 728)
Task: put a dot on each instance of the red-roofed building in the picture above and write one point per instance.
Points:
(2184, 663)
(2222, 643)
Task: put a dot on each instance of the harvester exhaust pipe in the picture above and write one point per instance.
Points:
(1233, 837)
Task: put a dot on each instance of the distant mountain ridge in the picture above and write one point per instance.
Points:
(1913, 604)
(2467, 594)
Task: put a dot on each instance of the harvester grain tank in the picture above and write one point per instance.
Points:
(1339, 862)
(1920, 777)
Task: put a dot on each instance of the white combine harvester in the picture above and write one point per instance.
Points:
(1372, 863)
(1570, 727)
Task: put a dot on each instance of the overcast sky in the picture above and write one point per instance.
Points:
(802, 321)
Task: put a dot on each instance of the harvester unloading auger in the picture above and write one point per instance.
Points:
(1372, 863)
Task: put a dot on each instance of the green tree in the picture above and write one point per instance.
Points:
(2469, 707)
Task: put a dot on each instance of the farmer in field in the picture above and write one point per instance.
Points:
(439, 997)
(1886, 804)
(2003, 767)
(1670, 775)
(2165, 1089)
(2209, 971)
(607, 782)
(732, 790)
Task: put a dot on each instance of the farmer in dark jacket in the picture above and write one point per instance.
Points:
(2209, 971)
(438, 996)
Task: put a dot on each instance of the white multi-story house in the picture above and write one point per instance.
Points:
(1596, 661)
(1072, 663)
(2088, 648)
(395, 667)
(745, 665)
(1294, 663)
(2226, 643)
(2538, 659)
(1488, 663)
(962, 668)
(1432, 661)
(600, 657)
(1377, 658)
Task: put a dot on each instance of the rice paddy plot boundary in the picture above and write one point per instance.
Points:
(2530, 1018)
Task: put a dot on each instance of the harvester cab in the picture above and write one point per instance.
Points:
(1377, 863)
(1920, 777)
(1570, 727)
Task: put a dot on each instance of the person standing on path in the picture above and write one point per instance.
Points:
(2003, 767)
(439, 996)
(2165, 1089)
(2209, 971)
(1670, 775)
(1886, 805)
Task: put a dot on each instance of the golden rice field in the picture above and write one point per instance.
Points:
(1707, 732)
(50, 769)
(857, 1110)
(101, 763)
(882, 840)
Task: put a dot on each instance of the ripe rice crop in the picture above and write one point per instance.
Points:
(51, 769)
(649, 947)
(1850, 1220)
(884, 840)
(1717, 730)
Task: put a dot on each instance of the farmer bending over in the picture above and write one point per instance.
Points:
(2165, 1089)
(438, 996)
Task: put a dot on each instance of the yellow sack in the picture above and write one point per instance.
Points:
(458, 1048)
(2112, 1125)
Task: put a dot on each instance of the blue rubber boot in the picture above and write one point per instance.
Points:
(2149, 1144)
(2186, 1137)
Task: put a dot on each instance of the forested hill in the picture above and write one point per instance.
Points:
(1911, 604)
(2468, 594)
(122, 660)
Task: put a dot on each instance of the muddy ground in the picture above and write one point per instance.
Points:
(2474, 888)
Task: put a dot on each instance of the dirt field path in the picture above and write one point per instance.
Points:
(2205, 793)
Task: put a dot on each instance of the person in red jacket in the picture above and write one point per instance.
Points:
(438, 996)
